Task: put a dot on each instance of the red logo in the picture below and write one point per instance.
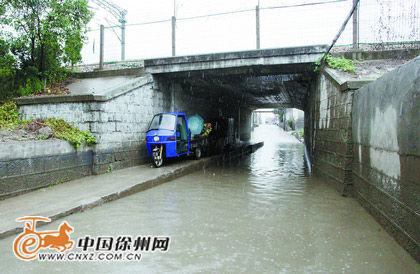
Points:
(30, 241)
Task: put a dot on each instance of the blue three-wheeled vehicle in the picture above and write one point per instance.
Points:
(169, 136)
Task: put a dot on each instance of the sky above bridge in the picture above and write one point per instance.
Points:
(148, 32)
(282, 27)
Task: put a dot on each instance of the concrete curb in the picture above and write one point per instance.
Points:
(141, 186)
(142, 80)
(344, 85)
(137, 71)
(379, 54)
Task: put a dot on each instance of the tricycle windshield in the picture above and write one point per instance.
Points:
(163, 121)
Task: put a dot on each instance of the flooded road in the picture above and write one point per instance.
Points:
(258, 214)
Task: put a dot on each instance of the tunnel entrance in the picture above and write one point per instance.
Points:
(233, 85)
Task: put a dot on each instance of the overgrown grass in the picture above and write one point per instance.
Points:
(340, 63)
(9, 119)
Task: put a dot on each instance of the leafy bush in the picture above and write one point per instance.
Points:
(33, 85)
(340, 63)
(63, 130)
(9, 117)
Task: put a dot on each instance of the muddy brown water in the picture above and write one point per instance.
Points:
(262, 213)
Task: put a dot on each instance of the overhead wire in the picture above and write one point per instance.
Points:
(228, 12)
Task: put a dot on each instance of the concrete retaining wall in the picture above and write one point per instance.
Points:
(25, 166)
(328, 132)
(386, 164)
(365, 142)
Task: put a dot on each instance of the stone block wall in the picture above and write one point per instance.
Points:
(386, 164)
(119, 124)
(328, 133)
(76, 113)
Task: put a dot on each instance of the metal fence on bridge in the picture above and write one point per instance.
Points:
(255, 24)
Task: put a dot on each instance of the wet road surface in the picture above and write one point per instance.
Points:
(258, 214)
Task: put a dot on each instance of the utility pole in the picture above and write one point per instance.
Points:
(257, 23)
(119, 14)
(356, 26)
(123, 21)
(173, 30)
(101, 48)
(173, 35)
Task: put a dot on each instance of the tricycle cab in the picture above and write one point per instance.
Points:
(168, 136)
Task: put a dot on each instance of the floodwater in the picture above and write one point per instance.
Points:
(258, 214)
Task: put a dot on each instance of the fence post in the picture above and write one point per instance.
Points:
(122, 40)
(356, 26)
(173, 35)
(257, 17)
(101, 48)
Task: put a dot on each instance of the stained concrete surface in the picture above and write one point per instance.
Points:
(98, 86)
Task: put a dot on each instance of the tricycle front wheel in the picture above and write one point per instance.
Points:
(157, 159)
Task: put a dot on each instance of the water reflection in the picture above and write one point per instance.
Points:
(259, 214)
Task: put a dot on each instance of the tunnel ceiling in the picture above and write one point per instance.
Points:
(255, 87)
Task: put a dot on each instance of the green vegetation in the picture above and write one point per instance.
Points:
(291, 124)
(343, 136)
(340, 63)
(301, 133)
(63, 130)
(9, 119)
(38, 39)
(298, 133)
(42, 137)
